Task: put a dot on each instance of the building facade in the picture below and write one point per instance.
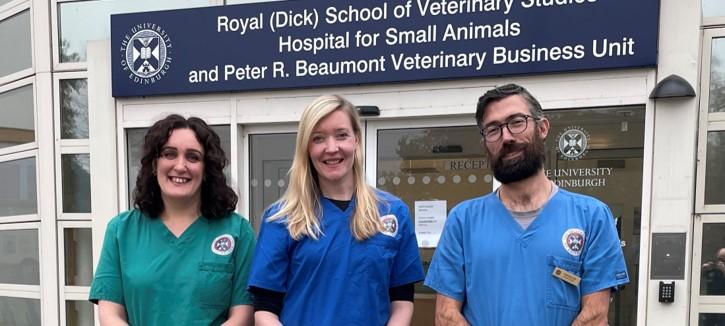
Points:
(69, 153)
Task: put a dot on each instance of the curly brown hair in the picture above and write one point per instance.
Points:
(217, 198)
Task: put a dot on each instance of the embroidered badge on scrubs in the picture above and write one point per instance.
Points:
(573, 241)
(223, 245)
(390, 225)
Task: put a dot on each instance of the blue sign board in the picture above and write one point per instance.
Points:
(292, 44)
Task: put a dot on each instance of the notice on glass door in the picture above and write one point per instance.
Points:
(430, 216)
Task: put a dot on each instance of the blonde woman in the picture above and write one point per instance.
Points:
(334, 250)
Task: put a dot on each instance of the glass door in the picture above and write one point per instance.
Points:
(434, 166)
(431, 167)
(599, 152)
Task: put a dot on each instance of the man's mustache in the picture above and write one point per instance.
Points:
(511, 147)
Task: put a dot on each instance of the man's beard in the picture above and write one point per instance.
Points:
(527, 164)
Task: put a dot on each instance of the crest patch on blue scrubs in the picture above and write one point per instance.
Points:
(390, 225)
(573, 241)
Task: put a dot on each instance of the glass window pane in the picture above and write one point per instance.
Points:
(2, 2)
(134, 148)
(74, 108)
(425, 164)
(17, 123)
(715, 169)
(712, 271)
(270, 158)
(76, 175)
(599, 152)
(75, 17)
(713, 8)
(19, 311)
(225, 137)
(717, 76)
(712, 320)
(79, 313)
(19, 262)
(78, 257)
(18, 194)
(15, 31)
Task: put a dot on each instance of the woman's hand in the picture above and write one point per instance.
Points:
(240, 315)
(266, 318)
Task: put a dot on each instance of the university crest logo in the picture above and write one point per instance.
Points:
(573, 241)
(146, 53)
(390, 225)
(573, 143)
(223, 245)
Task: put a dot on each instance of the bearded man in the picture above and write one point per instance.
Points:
(528, 253)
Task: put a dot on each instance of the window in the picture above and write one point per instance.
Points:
(713, 8)
(74, 19)
(17, 120)
(76, 267)
(708, 264)
(73, 108)
(19, 257)
(19, 311)
(76, 183)
(16, 40)
(715, 169)
(18, 194)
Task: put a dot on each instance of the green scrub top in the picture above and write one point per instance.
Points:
(164, 280)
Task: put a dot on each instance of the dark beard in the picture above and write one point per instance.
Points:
(523, 167)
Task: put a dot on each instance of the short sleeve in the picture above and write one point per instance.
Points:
(446, 274)
(407, 267)
(603, 261)
(107, 284)
(242, 264)
(270, 265)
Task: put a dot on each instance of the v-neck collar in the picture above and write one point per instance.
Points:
(521, 233)
(186, 236)
(327, 202)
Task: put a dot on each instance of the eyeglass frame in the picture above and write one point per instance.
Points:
(499, 126)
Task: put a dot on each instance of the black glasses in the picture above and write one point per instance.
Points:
(515, 125)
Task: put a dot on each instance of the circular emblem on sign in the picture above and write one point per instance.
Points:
(573, 241)
(223, 245)
(146, 53)
(573, 143)
(390, 225)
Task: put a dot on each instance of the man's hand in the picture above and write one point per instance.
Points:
(448, 312)
(595, 307)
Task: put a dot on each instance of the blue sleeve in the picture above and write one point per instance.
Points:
(242, 263)
(407, 267)
(603, 261)
(446, 274)
(107, 284)
(270, 266)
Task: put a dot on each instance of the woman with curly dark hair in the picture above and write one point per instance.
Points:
(181, 242)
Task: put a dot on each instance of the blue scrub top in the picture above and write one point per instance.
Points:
(503, 273)
(337, 280)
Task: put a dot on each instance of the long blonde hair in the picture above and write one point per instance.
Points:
(300, 204)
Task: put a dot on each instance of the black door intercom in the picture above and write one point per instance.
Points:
(667, 292)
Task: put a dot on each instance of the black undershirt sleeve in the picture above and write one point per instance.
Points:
(405, 292)
(267, 300)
